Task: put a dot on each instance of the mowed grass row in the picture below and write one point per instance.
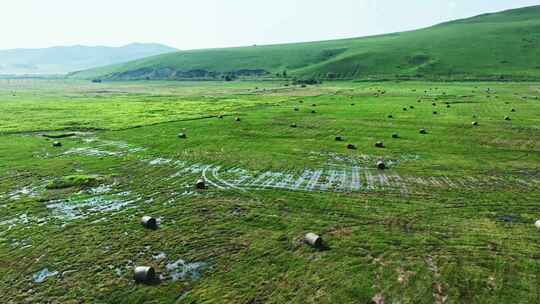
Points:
(470, 246)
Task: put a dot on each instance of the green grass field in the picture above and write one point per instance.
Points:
(451, 220)
(504, 45)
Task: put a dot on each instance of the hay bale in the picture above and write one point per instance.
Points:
(448, 106)
(56, 144)
(313, 111)
(351, 147)
(475, 123)
(404, 109)
(182, 135)
(537, 224)
(507, 118)
(412, 107)
(434, 104)
(200, 184)
(144, 274)
(293, 125)
(423, 131)
(379, 144)
(435, 113)
(381, 165)
(237, 119)
(395, 135)
(513, 110)
(149, 222)
(220, 117)
(296, 109)
(313, 240)
(339, 138)
(390, 116)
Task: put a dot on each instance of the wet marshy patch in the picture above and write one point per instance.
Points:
(42, 275)
(182, 270)
(101, 199)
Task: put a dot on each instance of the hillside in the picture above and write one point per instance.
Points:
(65, 59)
(489, 46)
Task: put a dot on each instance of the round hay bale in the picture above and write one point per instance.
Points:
(513, 110)
(379, 144)
(404, 109)
(537, 224)
(339, 138)
(56, 144)
(293, 125)
(395, 135)
(220, 117)
(390, 116)
(381, 165)
(144, 274)
(182, 135)
(448, 106)
(435, 113)
(237, 119)
(507, 118)
(149, 222)
(475, 123)
(434, 104)
(351, 147)
(412, 107)
(313, 240)
(313, 111)
(296, 109)
(200, 184)
(423, 131)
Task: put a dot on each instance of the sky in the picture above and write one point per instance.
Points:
(194, 24)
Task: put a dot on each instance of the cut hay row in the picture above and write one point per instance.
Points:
(347, 179)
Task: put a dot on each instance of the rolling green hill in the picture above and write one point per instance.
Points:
(491, 46)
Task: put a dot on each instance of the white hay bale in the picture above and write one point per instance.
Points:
(149, 222)
(313, 240)
(144, 274)
(200, 184)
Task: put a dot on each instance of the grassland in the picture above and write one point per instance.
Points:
(488, 47)
(450, 221)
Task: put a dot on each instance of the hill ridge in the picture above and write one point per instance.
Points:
(501, 45)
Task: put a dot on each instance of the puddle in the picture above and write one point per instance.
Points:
(88, 151)
(76, 207)
(101, 189)
(159, 256)
(159, 161)
(22, 219)
(182, 270)
(42, 275)
(25, 192)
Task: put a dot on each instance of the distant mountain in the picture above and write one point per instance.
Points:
(66, 59)
(503, 45)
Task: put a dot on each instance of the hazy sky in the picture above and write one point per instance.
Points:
(190, 24)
